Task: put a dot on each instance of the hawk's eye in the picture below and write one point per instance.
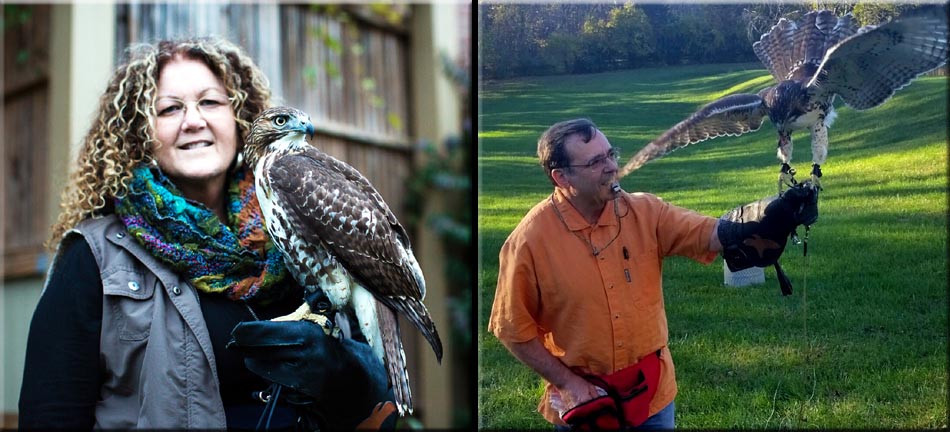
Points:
(280, 120)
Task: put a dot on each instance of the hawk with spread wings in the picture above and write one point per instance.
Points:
(338, 235)
(815, 59)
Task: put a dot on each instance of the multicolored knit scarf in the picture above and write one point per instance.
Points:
(237, 259)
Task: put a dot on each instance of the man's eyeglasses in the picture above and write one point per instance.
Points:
(598, 162)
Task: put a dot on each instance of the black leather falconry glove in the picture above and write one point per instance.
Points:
(339, 384)
(754, 235)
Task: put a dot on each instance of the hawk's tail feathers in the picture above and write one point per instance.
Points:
(805, 41)
(825, 23)
(395, 358)
(418, 315)
(773, 47)
(842, 29)
(789, 45)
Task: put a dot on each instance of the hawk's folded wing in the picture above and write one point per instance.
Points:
(330, 203)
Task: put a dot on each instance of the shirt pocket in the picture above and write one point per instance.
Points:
(128, 296)
(645, 280)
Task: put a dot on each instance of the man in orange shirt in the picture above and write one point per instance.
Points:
(579, 282)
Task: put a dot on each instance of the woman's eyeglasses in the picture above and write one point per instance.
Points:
(209, 105)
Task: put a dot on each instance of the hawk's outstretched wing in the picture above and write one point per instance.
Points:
(731, 115)
(869, 66)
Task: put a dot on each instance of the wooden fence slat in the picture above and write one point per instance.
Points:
(26, 52)
(25, 99)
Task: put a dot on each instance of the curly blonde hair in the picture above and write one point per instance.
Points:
(122, 134)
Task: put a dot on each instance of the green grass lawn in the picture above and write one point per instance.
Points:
(875, 351)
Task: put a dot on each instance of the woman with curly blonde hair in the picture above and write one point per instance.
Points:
(161, 252)
(121, 136)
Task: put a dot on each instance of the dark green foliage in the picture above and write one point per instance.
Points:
(517, 39)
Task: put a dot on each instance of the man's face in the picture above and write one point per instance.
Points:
(591, 181)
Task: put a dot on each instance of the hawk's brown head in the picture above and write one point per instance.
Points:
(276, 128)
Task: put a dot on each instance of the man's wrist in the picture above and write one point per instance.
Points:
(566, 379)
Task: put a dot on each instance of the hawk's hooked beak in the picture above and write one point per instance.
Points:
(308, 128)
(304, 125)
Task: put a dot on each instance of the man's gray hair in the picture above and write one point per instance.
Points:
(551, 146)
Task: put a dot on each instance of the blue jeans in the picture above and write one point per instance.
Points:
(660, 420)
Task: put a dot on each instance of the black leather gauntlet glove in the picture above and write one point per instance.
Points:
(337, 383)
(755, 235)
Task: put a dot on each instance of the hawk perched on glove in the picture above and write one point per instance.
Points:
(338, 235)
(815, 59)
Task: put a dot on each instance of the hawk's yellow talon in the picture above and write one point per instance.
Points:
(304, 313)
(786, 179)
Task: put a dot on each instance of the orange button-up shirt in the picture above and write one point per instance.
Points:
(600, 313)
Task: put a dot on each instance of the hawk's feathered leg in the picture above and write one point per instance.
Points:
(786, 174)
(819, 149)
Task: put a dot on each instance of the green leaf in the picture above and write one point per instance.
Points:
(330, 41)
(394, 120)
(309, 74)
(332, 69)
(22, 56)
(368, 84)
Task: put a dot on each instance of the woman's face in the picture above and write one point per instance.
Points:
(195, 124)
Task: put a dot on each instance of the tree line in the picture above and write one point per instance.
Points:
(550, 39)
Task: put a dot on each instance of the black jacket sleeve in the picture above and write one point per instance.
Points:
(61, 376)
